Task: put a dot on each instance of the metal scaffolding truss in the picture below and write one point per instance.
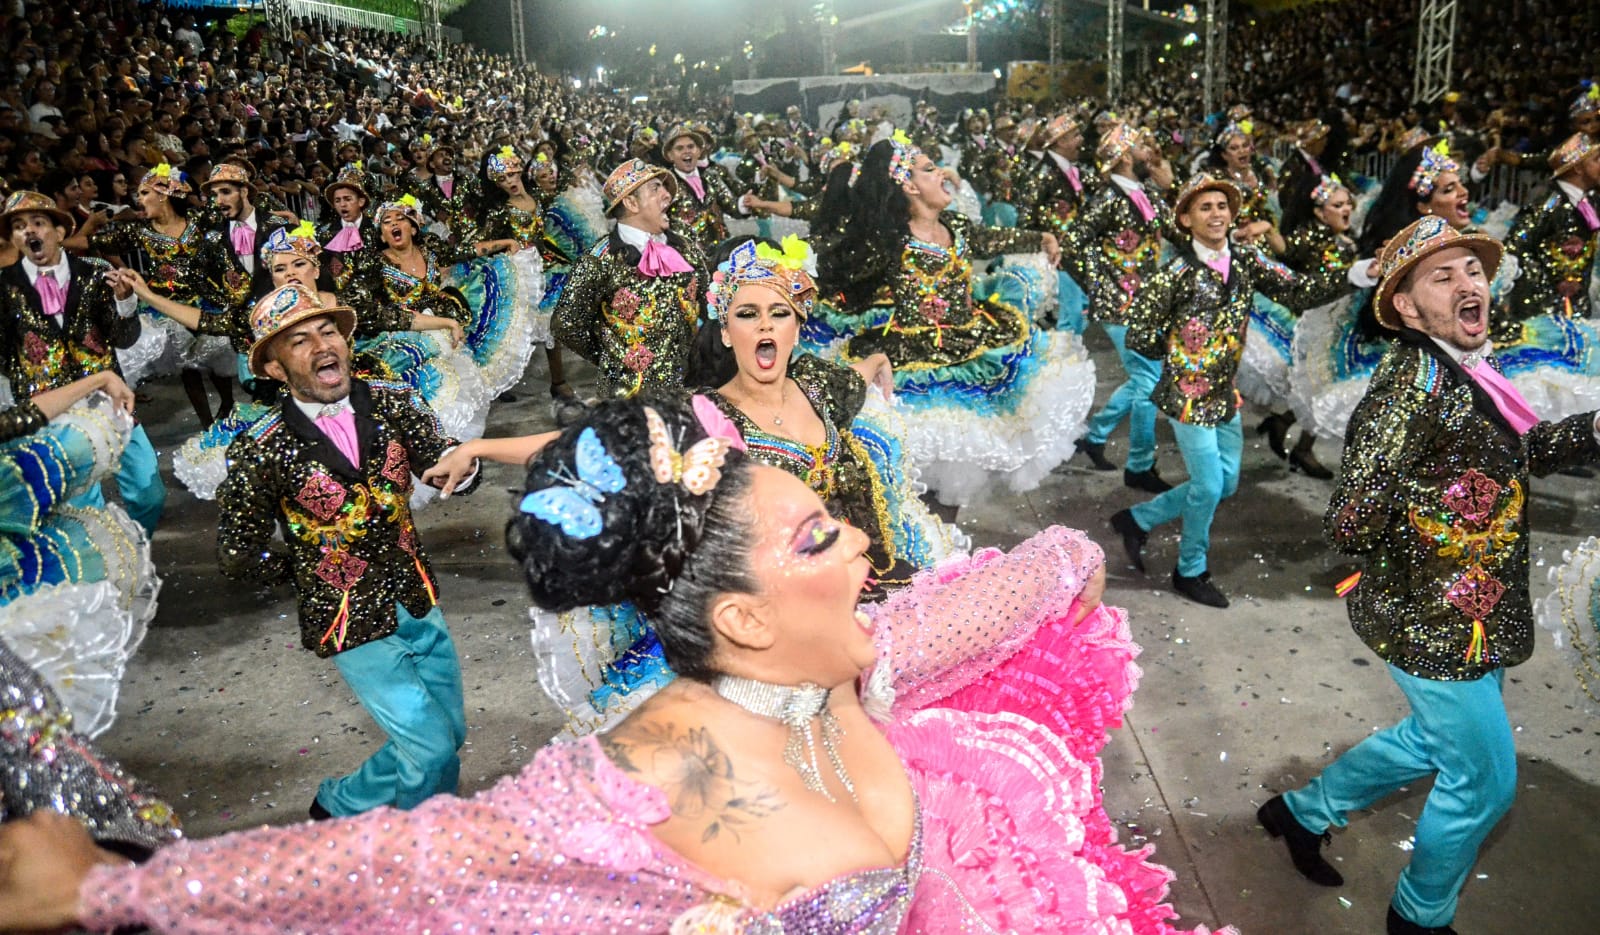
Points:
(428, 12)
(277, 12)
(1114, 14)
(519, 34)
(1216, 74)
(1436, 39)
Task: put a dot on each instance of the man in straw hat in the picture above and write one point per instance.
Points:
(332, 465)
(1191, 316)
(701, 196)
(1061, 187)
(1433, 494)
(1554, 242)
(233, 259)
(633, 300)
(62, 318)
(350, 230)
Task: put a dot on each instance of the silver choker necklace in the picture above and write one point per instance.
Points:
(796, 706)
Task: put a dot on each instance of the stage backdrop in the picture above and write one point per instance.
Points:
(823, 99)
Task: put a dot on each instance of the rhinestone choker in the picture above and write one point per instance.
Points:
(796, 706)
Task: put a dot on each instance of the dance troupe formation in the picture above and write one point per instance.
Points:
(796, 702)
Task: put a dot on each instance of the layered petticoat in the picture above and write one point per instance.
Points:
(573, 223)
(445, 377)
(161, 348)
(503, 293)
(1264, 366)
(1571, 613)
(77, 586)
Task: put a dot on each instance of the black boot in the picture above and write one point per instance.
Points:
(1276, 428)
(1199, 589)
(1304, 460)
(1305, 847)
(1096, 453)
(1400, 925)
(1148, 481)
(1133, 537)
(318, 813)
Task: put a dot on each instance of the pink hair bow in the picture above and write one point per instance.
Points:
(716, 424)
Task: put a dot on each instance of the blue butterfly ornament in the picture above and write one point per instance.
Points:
(573, 505)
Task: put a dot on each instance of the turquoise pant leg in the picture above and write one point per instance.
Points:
(1131, 399)
(1211, 455)
(144, 494)
(1073, 301)
(410, 683)
(1000, 214)
(1458, 730)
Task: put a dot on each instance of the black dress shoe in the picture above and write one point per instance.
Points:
(1199, 589)
(1306, 463)
(1305, 847)
(1276, 428)
(1133, 537)
(1400, 925)
(1148, 481)
(1096, 453)
(318, 813)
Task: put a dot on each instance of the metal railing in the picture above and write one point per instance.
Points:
(1504, 183)
(335, 15)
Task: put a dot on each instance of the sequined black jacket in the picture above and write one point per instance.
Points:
(36, 354)
(353, 551)
(1556, 251)
(1433, 494)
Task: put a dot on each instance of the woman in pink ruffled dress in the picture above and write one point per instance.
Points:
(930, 768)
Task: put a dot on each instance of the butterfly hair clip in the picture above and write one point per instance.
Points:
(574, 505)
(697, 469)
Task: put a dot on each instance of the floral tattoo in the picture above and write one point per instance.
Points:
(697, 776)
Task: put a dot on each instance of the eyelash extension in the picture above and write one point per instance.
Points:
(821, 540)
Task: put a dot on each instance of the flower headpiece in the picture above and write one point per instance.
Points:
(407, 207)
(843, 152)
(166, 180)
(1325, 189)
(543, 163)
(1588, 102)
(1435, 162)
(904, 158)
(504, 164)
(301, 241)
(786, 271)
(1241, 128)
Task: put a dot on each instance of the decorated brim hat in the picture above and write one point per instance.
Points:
(503, 164)
(166, 180)
(284, 308)
(624, 179)
(1003, 121)
(1199, 185)
(1419, 240)
(407, 206)
(300, 240)
(1567, 156)
(1115, 143)
(1059, 126)
(680, 131)
(26, 202)
(353, 177)
(229, 173)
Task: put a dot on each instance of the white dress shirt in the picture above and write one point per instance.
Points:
(62, 273)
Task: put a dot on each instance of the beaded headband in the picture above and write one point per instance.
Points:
(1242, 129)
(407, 207)
(1325, 189)
(1435, 162)
(784, 271)
(1588, 102)
(904, 158)
(843, 152)
(504, 164)
(300, 241)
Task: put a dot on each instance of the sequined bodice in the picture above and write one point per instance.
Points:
(866, 902)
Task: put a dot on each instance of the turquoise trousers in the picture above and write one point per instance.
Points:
(411, 685)
(1130, 400)
(1457, 730)
(1211, 455)
(144, 494)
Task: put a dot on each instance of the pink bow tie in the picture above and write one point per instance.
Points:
(1142, 202)
(244, 239)
(341, 430)
(1222, 265)
(52, 298)
(1505, 396)
(347, 240)
(696, 184)
(448, 186)
(659, 259)
(1074, 178)
(1587, 212)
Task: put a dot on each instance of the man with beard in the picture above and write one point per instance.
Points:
(333, 464)
(447, 198)
(62, 319)
(1433, 494)
(231, 261)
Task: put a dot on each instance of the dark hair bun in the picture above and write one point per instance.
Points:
(646, 528)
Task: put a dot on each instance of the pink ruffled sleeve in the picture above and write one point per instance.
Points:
(562, 846)
(955, 623)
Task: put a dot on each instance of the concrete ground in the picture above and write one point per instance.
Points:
(235, 724)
